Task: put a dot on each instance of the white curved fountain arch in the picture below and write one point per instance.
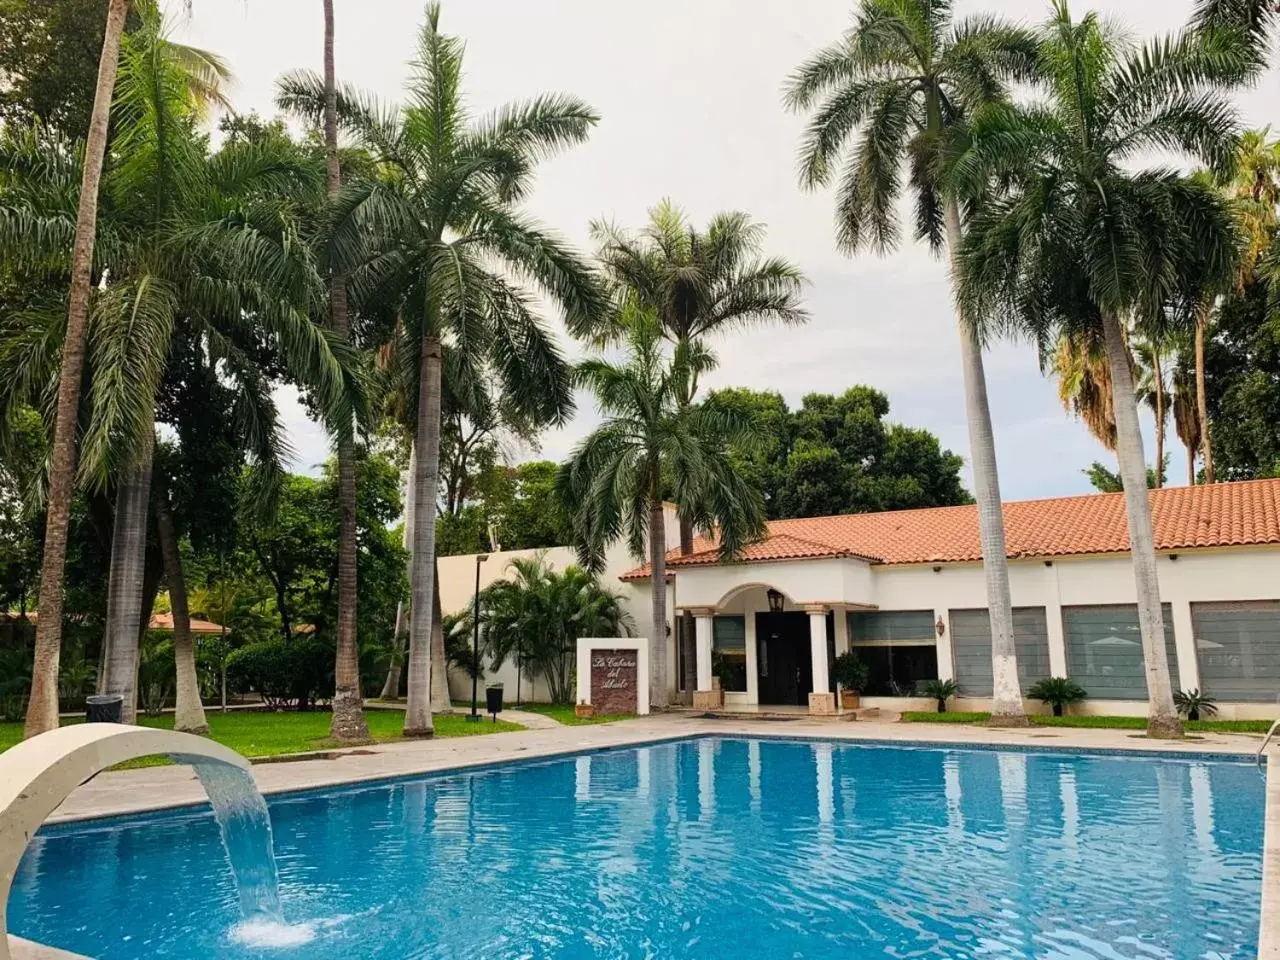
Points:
(38, 774)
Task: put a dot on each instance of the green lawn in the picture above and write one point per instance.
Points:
(1098, 723)
(272, 734)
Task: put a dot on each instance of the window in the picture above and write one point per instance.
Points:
(971, 645)
(729, 653)
(899, 646)
(1239, 649)
(1104, 650)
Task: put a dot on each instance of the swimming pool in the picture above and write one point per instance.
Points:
(699, 848)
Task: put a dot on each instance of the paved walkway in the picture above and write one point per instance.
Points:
(151, 788)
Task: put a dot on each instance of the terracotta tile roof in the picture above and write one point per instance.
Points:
(159, 621)
(1212, 515)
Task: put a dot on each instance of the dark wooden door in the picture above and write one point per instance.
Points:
(783, 666)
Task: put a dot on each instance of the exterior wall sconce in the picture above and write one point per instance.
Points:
(940, 627)
(776, 601)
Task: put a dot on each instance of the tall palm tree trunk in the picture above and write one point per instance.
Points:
(188, 713)
(1191, 465)
(1006, 708)
(1163, 717)
(126, 584)
(1202, 400)
(426, 484)
(659, 696)
(42, 709)
(391, 688)
(348, 723)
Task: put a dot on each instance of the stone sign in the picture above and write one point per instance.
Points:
(613, 681)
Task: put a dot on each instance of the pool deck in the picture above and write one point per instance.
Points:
(154, 788)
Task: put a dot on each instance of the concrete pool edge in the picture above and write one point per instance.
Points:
(1269, 932)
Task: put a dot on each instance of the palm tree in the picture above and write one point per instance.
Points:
(700, 283)
(188, 709)
(1186, 417)
(42, 708)
(188, 240)
(1078, 242)
(1084, 386)
(436, 240)
(1150, 355)
(900, 85)
(651, 441)
(348, 724)
(1245, 28)
(536, 615)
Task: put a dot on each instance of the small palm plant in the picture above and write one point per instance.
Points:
(940, 690)
(1057, 692)
(1192, 703)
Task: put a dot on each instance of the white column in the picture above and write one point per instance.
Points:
(842, 631)
(1184, 640)
(946, 658)
(1053, 623)
(818, 649)
(703, 634)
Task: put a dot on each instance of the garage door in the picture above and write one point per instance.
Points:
(971, 646)
(1239, 649)
(1104, 650)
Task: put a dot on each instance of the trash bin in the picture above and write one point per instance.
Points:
(493, 701)
(104, 709)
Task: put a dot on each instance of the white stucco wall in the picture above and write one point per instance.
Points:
(457, 592)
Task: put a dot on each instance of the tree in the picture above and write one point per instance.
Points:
(1105, 480)
(42, 709)
(900, 85)
(1186, 418)
(535, 615)
(1079, 242)
(652, 444)
(348, 724)
(837, 454)
(699, 283)
(1151, 354)
(1084, 386)
(431, 243)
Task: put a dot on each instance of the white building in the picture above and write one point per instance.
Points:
(906, 591)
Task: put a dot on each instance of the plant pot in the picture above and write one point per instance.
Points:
(850, 699)
(584, 711)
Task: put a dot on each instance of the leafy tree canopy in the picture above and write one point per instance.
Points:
(839, 454)
(522, 504)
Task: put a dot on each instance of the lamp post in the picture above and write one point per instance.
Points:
(475, 641)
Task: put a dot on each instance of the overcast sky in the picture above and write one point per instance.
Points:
(689, 95)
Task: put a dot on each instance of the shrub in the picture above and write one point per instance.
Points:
(851, 672)
(296, 673)
(1192, 703)
(1058, 692)
(940, 690)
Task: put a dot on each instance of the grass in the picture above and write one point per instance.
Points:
(1094, 723)
(273, 734)
(563, 713)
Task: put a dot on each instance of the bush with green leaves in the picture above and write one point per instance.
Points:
(852, 673)
(1057, 692)
(294, 673)
(1193, 703)
(940, 690)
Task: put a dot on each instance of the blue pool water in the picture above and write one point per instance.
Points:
(703, 848)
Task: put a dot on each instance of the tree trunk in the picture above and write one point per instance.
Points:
(125, 586)
(1191, 465)
(1158, 378)
(1006, 708)
(440, 702)
(42, 708)
(1202, 401)
(391, 689)
(1163, 717)
(188, 713)
(426, 482)
(659, 696)
(686, 646)
(348, 724)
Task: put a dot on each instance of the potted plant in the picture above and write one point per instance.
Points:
(940, 690)
(1057, 692)
(1192, 703)
(852, 674)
